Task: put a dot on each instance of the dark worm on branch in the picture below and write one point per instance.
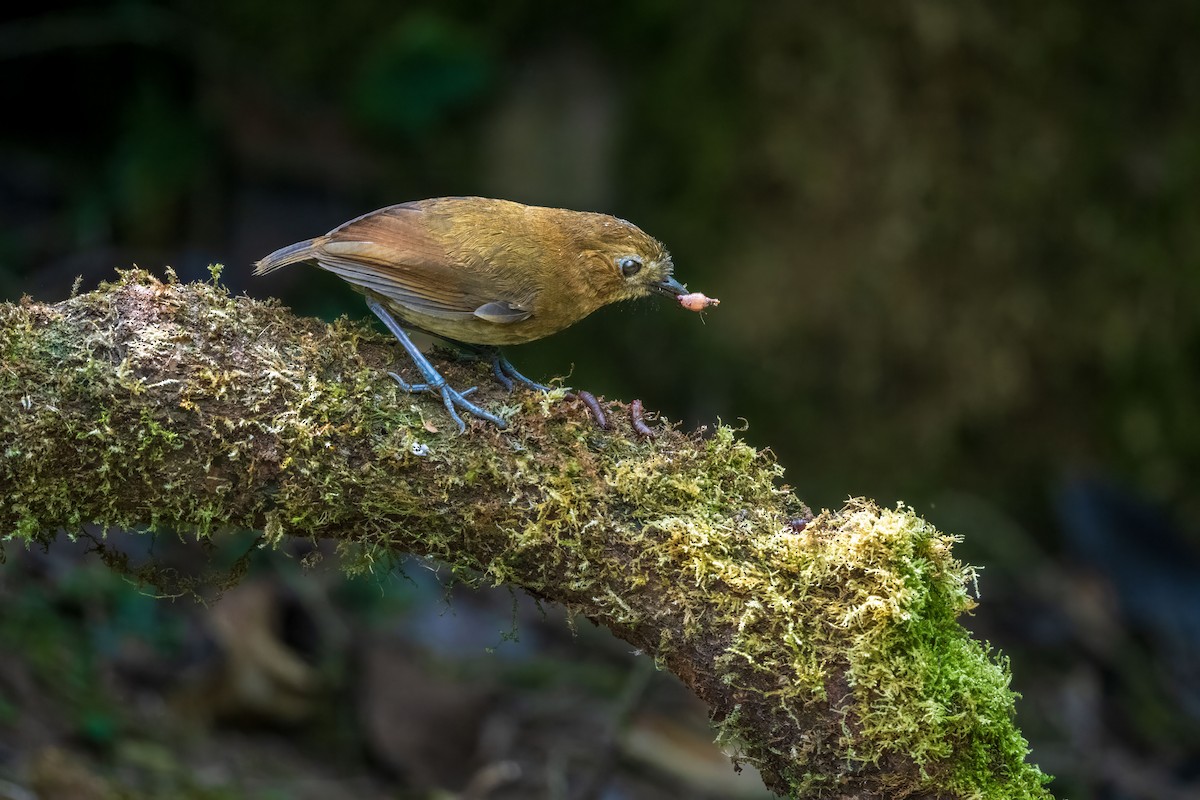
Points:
(639, 425)
(593, 406)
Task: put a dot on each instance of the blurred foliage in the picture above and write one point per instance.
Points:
(956, 243)
(61, 656)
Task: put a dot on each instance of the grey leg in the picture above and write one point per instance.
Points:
(434, 382)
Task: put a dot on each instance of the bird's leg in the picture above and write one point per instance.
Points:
(434, 382)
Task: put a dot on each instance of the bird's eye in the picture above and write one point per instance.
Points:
(630, 266)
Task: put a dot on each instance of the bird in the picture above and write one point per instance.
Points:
(483, 273)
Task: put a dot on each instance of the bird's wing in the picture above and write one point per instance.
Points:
(393, 253)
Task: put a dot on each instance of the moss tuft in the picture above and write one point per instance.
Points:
(831, 653)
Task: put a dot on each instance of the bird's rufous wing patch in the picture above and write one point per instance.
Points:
(393, 253)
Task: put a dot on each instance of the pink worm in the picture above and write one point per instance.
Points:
(696, 301)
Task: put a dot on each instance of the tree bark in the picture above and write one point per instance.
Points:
(828, 648)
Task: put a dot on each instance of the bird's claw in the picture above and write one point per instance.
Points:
(411, 388)
(506, 373)
(452, 399)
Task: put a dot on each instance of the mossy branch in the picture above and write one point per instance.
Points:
(830, 651)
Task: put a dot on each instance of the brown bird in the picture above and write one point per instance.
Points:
(484, 273)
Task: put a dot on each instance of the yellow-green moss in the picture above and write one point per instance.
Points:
(824, 649)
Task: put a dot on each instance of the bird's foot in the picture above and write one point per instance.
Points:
(506, 373)
(452, 399)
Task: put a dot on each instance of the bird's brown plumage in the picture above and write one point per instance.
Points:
(489, 272)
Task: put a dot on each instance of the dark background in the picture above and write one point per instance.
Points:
(956, 247)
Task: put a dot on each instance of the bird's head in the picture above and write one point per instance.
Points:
(627, 263)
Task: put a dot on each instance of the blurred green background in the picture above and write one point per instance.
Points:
(956, 246)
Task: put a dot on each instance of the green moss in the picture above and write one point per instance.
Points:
(923, 687)
(824, 650)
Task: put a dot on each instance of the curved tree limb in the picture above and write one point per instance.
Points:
(828, 649)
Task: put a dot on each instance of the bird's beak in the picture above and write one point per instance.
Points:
(670, 287)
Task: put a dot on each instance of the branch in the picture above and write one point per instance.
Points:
(829, 652)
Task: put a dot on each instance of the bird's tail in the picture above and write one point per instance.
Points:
(293, 253)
